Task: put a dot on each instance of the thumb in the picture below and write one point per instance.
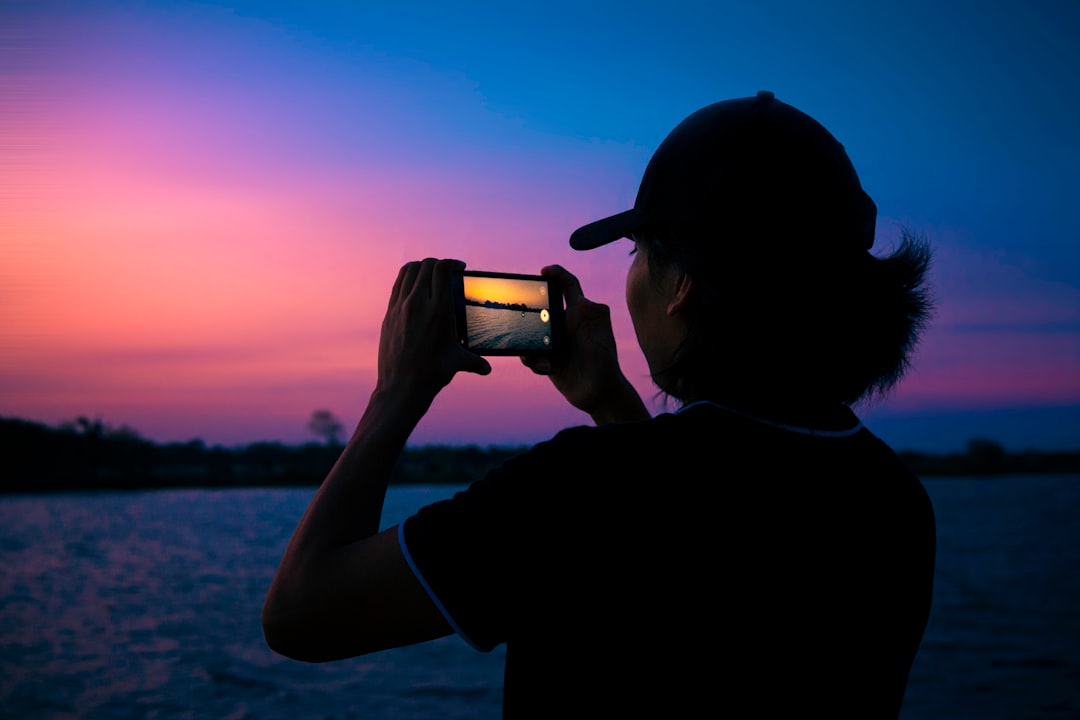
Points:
(539, 365)
(595, 310)
(476, 364)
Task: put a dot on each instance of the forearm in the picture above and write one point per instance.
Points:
(348, 504)
(343, 588)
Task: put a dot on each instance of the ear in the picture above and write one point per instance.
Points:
(680, 294)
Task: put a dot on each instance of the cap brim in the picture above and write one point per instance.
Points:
(607, 230)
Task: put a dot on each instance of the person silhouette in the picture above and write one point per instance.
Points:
(757, 550)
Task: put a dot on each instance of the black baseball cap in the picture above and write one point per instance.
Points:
(750, 170)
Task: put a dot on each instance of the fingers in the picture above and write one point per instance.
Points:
(595, 311)
(442, 277)
(539, 365)
(421, 279)
(421, 314)
(399, 283)
(405, 285)
(571, 288)
(475, 364)
(428, 278)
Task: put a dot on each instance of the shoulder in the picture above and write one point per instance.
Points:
(578, 463)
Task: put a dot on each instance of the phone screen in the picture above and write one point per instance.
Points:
(508, 314)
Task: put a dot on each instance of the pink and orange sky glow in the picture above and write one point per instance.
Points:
(203, 206)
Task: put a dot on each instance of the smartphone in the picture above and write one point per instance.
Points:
(508, 313)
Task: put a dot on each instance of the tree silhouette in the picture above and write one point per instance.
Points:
(325, 425)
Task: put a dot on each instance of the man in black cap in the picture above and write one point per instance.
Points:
(756, 551)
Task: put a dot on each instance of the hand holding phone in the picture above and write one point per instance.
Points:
(509, 313)
(418, 348)
(587, 370)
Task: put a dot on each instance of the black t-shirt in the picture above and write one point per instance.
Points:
(697, 561)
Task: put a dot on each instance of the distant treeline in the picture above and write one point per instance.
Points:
(89, 455)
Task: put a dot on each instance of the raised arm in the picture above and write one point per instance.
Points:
(589, 375)
(342, 588)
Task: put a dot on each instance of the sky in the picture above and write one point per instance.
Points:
(509, 291)
(203, 206)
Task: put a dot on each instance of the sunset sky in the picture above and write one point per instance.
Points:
(512, 291)
(203, 206)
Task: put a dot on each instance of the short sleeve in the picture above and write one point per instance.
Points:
(457, 549)
(489, 555)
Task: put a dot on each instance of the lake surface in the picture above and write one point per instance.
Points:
(502, 328)
(146, 605)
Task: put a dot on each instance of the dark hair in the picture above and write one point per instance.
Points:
(788, 326)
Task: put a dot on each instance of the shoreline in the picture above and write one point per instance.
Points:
(42, 459)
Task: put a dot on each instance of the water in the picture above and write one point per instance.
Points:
(1004, 633)
(502, 329)
(146, 605)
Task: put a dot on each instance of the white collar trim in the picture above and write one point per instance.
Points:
(815, 432)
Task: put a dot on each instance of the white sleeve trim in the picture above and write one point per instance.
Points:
(428, 589)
